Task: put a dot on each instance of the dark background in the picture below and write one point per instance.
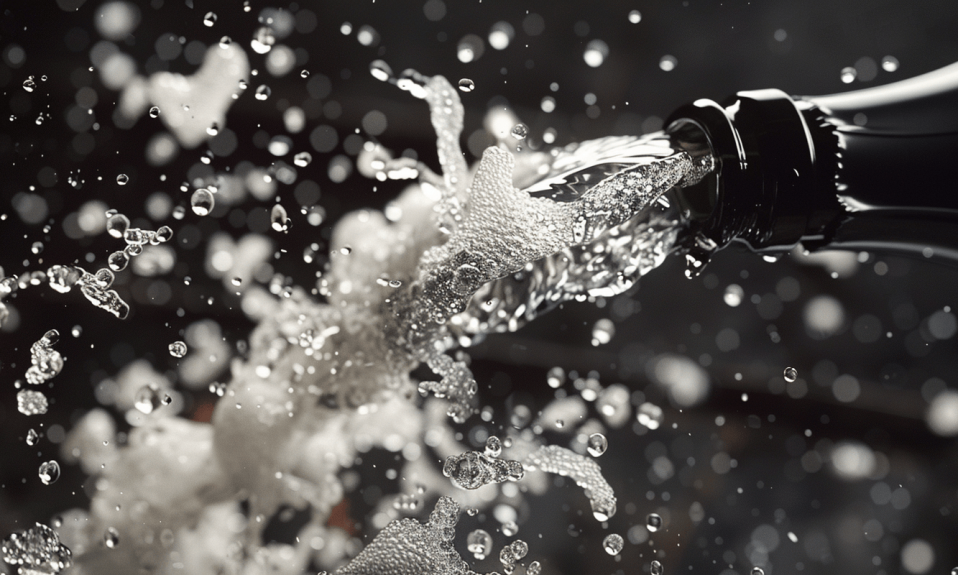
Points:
(720, 48)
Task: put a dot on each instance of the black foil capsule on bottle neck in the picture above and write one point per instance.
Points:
(865, 170)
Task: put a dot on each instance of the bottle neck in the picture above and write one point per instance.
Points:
(863, 170)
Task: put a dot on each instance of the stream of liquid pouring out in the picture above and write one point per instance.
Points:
(491, 258)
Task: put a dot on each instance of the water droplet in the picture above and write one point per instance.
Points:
(213, 129)
(302, 159)
(76, 331)
(346, 250)
(118, 261)
(848, 74)
(597, 444)
(493, 446)
(32, 438)
(202, 202)
(29, 85)
(49, 472)
(613, 543)
(602, 332)
(790, 374)
(164, 234)
(595, 53)
(147, 399)
(733, 295)
(225, 42)
(380, 70)
(650, 415)
(534, 568)
(277, 218)
(668, 63)
(236, 281)
(36, 247)
(467, 85)
(519, 131)
(123, 179)
(111, 538)
(304, 74)
(655, 568)
(209, 19)
(177, 349)
(479, 543)
(635, 16)
(263, 40)
(510, 528)
(104, 277)
(117, 225)
(263, 92)
(758, 571)
(556, 377)
(154, 112)
(653, 522)
(890, 64)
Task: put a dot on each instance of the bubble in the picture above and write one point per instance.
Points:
(635, 17)
(31, 402)
(32, 437)
(668, 63)
(209, 19)
(123, 179)
(848, 74)
(510, 528)
(890, 64)
(466, 85)
(49, 472)
(29, 84)
(147, 399)
(655, 568)
(213, 129)
(380, 70)
(304, 74)
(613, 543)
(302, 159)
(177, 349)
(758, 571)
(118, 261)
(597, 444)
(278, 218)
(519, 131)
(653, 522)
(790, 374)
(263, 92)
(202, 202)
(479, 543)
(154, 112)
(111, 537)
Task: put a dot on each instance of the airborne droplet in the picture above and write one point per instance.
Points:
(118, 261)
(32, 438)
(154, 112)
(613, 544)
(519, 131)
(467, 85)
(791, 374)
(29, 85)
(302, 159)
(263, 92)
(177, 349)
(277, 218)
(380, 70)
(147, 399)
(760, 571)
(49, 472)
(653, 522)
(597, 444)
(209, 19)
(202, 202)
(122, 179)
(655, 568)
(111, 538)
(479, 543)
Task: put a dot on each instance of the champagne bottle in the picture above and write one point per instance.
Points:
(863, 170)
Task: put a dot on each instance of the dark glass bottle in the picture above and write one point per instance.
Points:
(864, 170)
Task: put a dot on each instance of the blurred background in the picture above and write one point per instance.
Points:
(850, 467)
